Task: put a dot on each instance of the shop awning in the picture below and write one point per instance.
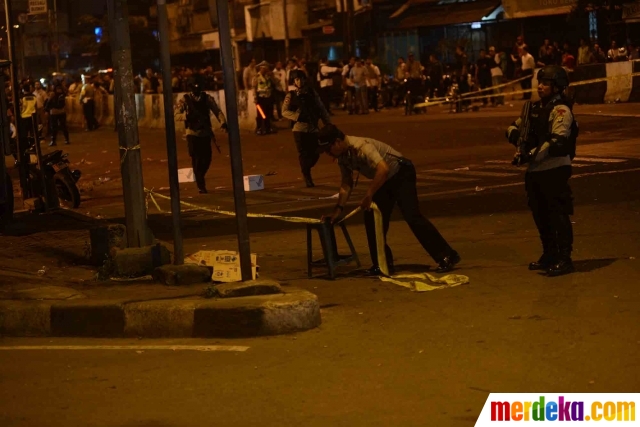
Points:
(529, 8)
(631, 12)
(451, 14)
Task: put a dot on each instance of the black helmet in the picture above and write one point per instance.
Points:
(298, 74)
(556, 74)
(194, 84)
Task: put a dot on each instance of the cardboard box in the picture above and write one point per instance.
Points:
(253, 183)
(186, 175)
(226, 264)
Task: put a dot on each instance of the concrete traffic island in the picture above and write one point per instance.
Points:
(251, 309)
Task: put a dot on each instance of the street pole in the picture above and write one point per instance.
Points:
(170, 131)
(235, 151)
(57, 35)
(138, 234)
(15, 89)
(286, 29)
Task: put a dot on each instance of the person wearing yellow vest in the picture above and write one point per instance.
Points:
(264, 100)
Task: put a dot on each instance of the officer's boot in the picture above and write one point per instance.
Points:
(549, 255)
(564, 264)
(308, 181)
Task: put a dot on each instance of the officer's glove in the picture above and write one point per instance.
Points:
(513, 135)
(225, 127)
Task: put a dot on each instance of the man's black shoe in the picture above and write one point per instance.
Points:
(544, 263)
(309, 182)
(375, 271)
(448, 263)
(202, 191)
(52, 144)
(565, 266)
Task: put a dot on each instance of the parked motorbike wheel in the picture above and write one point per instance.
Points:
(6, 208)
(67, 189)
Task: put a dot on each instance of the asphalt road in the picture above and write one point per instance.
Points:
(384, 356)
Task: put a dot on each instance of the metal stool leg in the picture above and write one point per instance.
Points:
(350, 243)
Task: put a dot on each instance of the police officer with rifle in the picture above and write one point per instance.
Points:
(545, 137)
(194, 109)
(304, 108)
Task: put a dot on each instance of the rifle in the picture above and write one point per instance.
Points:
(522, 153)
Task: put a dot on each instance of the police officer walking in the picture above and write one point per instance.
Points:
(194, 110)
(551, 148)
(304, 107)
(393, 180)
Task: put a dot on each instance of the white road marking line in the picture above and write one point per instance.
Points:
(445, 178)
(506, 162)
(516, 184)
(581, 165)
(598, 160)
(504, 167)
(471, 173)
(129, 347)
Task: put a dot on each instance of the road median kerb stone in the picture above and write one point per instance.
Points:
(293, 310)
(247, 289)
(182, 275)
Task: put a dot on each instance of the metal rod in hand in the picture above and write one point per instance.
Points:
(234, 138)
(138, 233)
(170, 131)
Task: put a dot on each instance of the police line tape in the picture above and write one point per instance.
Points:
(461, 98)
(408, 281)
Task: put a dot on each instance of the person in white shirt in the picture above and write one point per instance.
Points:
(280, 79)
(528, 65)
(373, 84)
(325, 79)
(291, 65)
(497, 77)
(348, 85)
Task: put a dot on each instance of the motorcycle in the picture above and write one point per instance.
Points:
(55, 166)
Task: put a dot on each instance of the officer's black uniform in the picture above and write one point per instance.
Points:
(551, 147)
(364, 155)
(305, 108)
(196, 105)
(55, 106)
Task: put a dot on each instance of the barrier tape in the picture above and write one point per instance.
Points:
(448, 281)
(451, 100)
(126, 151)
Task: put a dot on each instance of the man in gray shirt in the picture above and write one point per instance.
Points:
(393, 180)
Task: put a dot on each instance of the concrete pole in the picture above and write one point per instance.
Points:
(138, 234)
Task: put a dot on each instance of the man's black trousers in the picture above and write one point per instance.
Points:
(401, 189)
(307, 145)
(551, 203)
(200, 152)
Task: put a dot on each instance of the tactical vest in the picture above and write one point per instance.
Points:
(540, 123)
(198, 117)
(264, 86)
(306, 103)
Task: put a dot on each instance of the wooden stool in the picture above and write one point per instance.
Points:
(331, 258)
